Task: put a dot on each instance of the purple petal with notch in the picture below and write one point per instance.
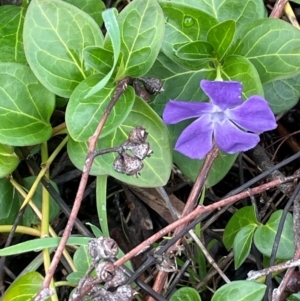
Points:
(196, 139)
(253, 115)
(176, 111)
(223, 94)
(231, 139)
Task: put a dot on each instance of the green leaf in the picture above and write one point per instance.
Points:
(56, 34)
(25, 288)
(265, 235)
(101, 188)
(236, 67)
(96, 231)
(223, 10)
(99, 59)
(8, 160)
(220, 37)
(114, 34)
(282, 95)
(272, 46)
(240, 291)
(156, 169)
(9, 208)
(186, 294)
(242, 244)
(92, 7)
(84, 113)
(142, 31)
(199, 52)
(42, 243)
(242, 218)
(25, 106)
(11, 28)
(183, 24)
(82, 259)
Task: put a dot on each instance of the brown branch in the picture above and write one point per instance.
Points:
(277, 10)
(122, 85)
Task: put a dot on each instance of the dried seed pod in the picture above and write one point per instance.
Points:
(118, 280)
(102, 247)
(293, 284)
(128, 165)
(119, 165)
(138, 135)
(140, 151)
(105, 271)
(152, 85)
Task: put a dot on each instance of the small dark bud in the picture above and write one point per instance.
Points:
(152, 85)
(105, 271)
(140, 91)
(138, 135)
(102, 247)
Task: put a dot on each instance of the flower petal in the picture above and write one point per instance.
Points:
(176, 111)
(253, 115)
(223, 94)
(196, 140)
(231, 139)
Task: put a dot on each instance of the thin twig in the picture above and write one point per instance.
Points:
(84, 178)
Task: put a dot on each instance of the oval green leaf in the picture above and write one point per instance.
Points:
(186, 294)
(11, 28)
(183, 24)
(8, 160)
(265, 235)
(156, 169)
(142, 31)
(56, 34)
(240, 291)
(272, 46)
(25, 288)
(25, 106)
(84, 113)
(242, 218)
(242, 244)
(220, 37)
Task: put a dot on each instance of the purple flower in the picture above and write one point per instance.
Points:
(233, 124)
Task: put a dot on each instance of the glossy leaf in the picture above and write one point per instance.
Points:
(220, 37)
(240, 291)
(114, 34)
(8, 160)
(96, 231)
(183, 24)
(272, 46)
(236, 67)
(186, 294)
(265, 235)
(84, 113)
(92, 7)
(199, 52)
(24, 288)
(25, 106)
(223, 10)
(99, 59)
(242, 244)
(42, 243)
(82, 259)
(156, 169)
(142, 31)
(283, 94)
(56, 34)
(11, 27)
(242, 218)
